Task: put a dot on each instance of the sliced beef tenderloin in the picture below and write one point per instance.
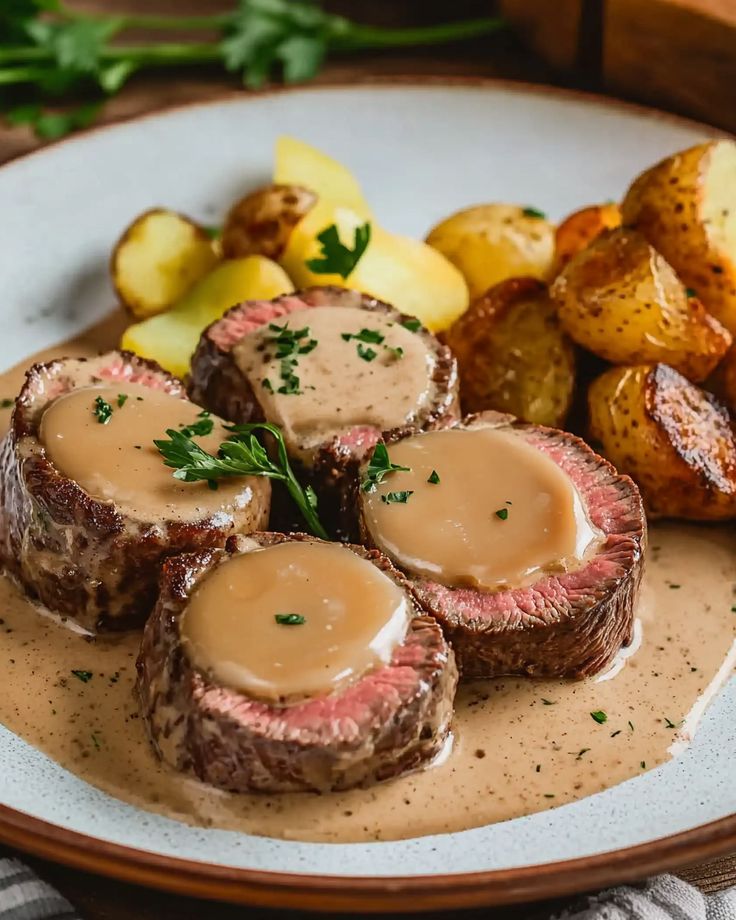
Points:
(391, 719)
(335, 382)
(84, 555)
(564, 623)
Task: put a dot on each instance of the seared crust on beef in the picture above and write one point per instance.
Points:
(217, 383)
(81, 557)
(393, 719)
(565, 624)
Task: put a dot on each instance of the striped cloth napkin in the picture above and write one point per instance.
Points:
(24, 896)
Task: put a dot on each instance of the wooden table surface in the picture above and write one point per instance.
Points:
(500, 56)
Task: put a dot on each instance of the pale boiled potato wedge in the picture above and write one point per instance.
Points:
(298, 163)
(686, 208)
(157, 259)
(674, 439)
(404, 272)
(261, 223)
(513, 355)
(170, 338)
(580, 228)
(620, 299)
(491, 242)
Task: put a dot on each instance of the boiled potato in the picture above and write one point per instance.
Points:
(298, 163)
(512, 354)
(157, 259)
(261, 223)
(404, 272)
(686, 208)
(580, 228)
(491, 242)
(620, 299)
(171, 337)
(673, 438)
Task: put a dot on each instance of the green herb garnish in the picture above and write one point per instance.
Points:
(599, 716)
(396, 351)
(369, 336)
(502, 513)
(241, 454)
(618, 732)
(549, 795)
(201, 428)
(6, 403)
(95, 741)
(413, 325)
(397, 498)
(336, 258)
(643, 764)
(534, 212)
(690, 292)
(102, 411)
(289, 619)
(367, 354)
(84, 676)
(669, 723)
(380, 466)
(580, 753)
(434, 478)
(548, 702)
(122, 399)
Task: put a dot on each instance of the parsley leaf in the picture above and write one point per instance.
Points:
(200, 428)
(599, 716)
(289, 619)
(338, 259)
(534, 212)
(434, 478)
(84, 676)
(122, 399)
(502, 513)
(380, 466)
(397, 498)
(413, 325)
(367, 354)
(102, 410)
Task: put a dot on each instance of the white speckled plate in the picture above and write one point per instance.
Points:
(420, 152)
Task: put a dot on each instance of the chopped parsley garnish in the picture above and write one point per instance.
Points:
(380, 466)
(242, 454)
(84, 676)
(618, 732)
(674, 587)
(367, 354)
(95, 740)
(289, 619)
(690, 292)
(397, 498)
(6, 403)
(396, 352)
(580, 753)
(412, 324)
(534, 212)
(102, 410)
(289, 344)
(502, 513)
(599, 716)
(669, 723)
(643, 764)
(200, 428)
(434, 478)
(122, 399)
(369, 336)
(337, 258)
(548, 702)
(267, 385)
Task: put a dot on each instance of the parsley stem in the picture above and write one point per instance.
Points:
(364, 37)
(10, 75)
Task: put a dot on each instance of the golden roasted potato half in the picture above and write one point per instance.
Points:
(674, 439)
(261, 223)
(513, 355)
(620, 299)
(157, 259)
(580, 228)
(686, 208)
(492, 242)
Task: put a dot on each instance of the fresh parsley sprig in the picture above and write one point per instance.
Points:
(242, 454)
(55, 49)
(380, 466)
(337, 258)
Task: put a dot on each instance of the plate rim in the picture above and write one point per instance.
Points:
(384, 893)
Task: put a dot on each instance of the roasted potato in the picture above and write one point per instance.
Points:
(686, 208)
(261, 223)
(722, 382)
(492, 242)
(674, 439)
(620, 299)
(157, 259)
(580, 228)
(171, 337)
(512, 354)
(404, 272)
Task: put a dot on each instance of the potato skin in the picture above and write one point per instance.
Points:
(580, 228)
(261, 223)
(492, 242)
(621, 300)
(675, 440)
(677, 205)
(512, 354)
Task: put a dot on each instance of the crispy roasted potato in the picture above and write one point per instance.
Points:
(512, 354)
(686, 208)
(722, 382)
(620, 299)
(492, 242)
(580, 228)
(404, 272)
(261, 223)
(171, 337)
(674, 439)
(157, 259)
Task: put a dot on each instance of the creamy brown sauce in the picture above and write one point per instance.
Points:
(480, 507)
(520, 746)
(102, 437)
(340, 382)
(267, 624)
